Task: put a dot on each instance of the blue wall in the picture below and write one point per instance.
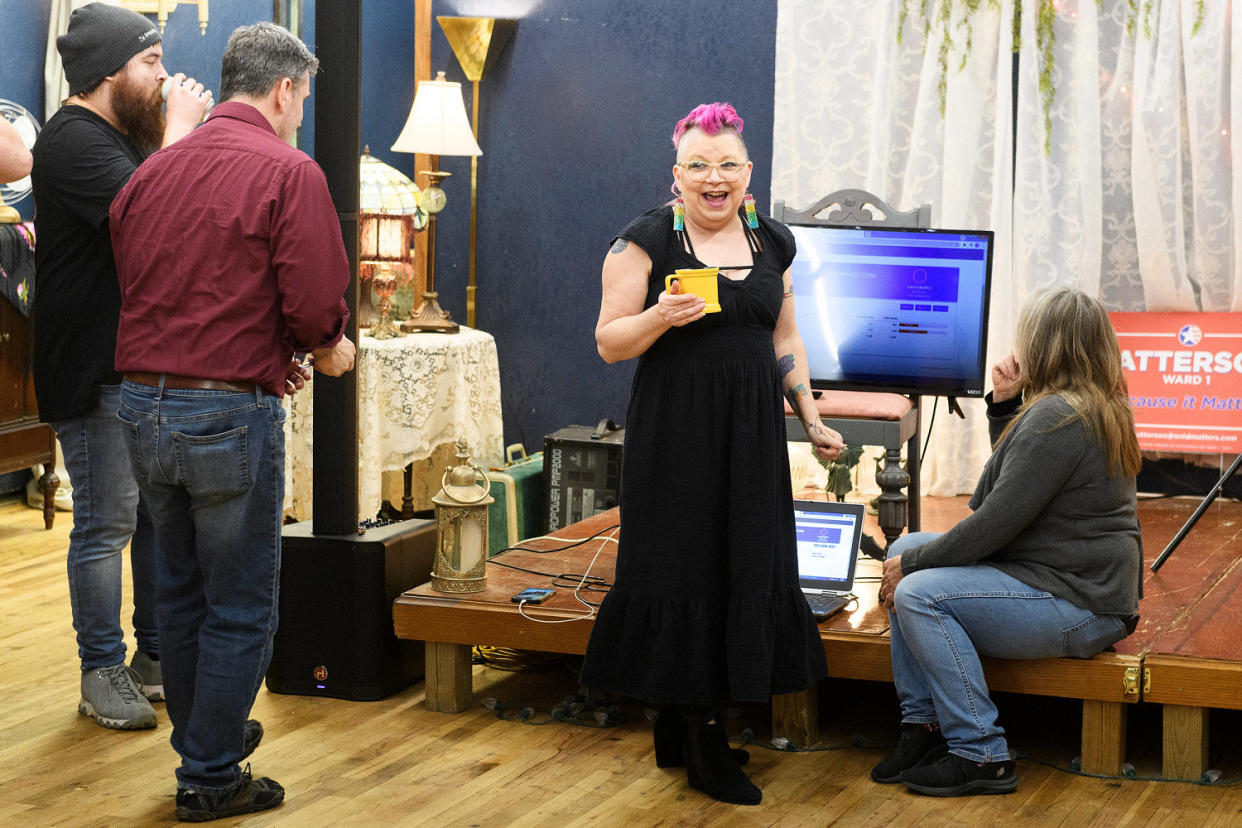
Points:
(576, 118)
(21, 61)
(576, 123)
(21, 58)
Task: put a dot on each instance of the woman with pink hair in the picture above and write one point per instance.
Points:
(706, 605)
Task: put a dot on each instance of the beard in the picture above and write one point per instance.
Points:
(140, 113)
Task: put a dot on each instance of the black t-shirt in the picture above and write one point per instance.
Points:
(80, 163)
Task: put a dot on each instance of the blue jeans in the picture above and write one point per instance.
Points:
(945, 618)
(107, 513)
(211, 467)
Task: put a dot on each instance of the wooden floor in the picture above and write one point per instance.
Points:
(392, 763)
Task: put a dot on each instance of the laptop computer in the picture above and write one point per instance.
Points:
(828, 536)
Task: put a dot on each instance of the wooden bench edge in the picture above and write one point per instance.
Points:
(1189, 681)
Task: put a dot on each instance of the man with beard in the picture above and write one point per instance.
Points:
(84, 155)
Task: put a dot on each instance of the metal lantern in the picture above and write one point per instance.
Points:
(461, 521)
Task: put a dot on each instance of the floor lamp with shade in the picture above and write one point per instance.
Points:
(437, 126)
(476, 41)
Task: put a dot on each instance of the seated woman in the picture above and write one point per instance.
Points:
(1047, 565)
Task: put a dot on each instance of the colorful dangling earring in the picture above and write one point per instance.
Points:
(679, 215)
(752, 217)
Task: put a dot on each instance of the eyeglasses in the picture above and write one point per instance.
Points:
(729, 170)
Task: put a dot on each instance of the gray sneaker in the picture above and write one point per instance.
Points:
(150, 675)
(111, 697)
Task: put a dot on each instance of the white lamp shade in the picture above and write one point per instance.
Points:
(437, 124)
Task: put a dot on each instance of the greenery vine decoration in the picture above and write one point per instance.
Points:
(1143, 9)
(941, 17)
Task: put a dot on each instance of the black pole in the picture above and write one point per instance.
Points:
(338, 90)
(1207, 501)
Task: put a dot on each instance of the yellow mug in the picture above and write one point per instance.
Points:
(699, 281)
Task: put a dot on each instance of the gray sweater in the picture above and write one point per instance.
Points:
(1047, 512)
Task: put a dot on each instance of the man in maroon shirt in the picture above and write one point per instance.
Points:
(230, 259)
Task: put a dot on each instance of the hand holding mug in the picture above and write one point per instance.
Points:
(187, 99)
(677, 308)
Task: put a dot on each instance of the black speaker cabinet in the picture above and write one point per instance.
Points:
(581, 472)
(336, 591)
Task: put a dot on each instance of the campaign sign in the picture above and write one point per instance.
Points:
(1185, 376)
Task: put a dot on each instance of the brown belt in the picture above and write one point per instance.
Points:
(174, 381)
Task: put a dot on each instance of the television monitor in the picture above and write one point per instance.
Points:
(887, 309)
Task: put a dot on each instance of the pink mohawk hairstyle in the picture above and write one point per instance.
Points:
(711, 118)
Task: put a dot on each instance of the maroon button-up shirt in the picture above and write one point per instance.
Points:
(229, 255)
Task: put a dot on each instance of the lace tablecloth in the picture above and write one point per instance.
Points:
(414, 393)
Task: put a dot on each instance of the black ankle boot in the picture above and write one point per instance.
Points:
(669, 734)
(711, 768)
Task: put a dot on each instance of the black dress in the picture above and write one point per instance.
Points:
(706, 603)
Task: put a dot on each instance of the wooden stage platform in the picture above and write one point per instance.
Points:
(1186, 653)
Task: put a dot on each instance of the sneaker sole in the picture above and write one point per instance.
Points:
(87, 709)
(979, 786)
(187, 815)
(153, 692)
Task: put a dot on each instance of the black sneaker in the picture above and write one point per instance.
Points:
(953, 775)
(252, 735)
(918, 744)
(249, 796)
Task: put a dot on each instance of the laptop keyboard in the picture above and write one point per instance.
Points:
(825, 604)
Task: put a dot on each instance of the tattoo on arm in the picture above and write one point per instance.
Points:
(786, 364)
(793, 395)
(618, 246)
(788, 292)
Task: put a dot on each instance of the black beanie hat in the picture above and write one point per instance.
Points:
(101, 39)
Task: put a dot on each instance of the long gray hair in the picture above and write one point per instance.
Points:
(258, 57)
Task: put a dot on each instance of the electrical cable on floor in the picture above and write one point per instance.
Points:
(569, 710)
(574, 710)
(1209, 779)
(504, 658)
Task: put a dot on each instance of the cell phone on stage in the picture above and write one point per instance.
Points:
(532, 596)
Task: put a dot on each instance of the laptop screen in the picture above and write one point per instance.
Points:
(828, 536)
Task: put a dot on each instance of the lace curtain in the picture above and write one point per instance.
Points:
(853, 108)
(1134, 199)
(1131, 199)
